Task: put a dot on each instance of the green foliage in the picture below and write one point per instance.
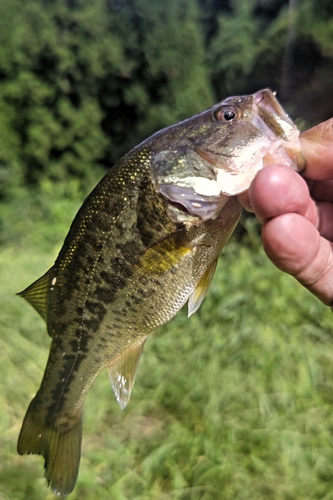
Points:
(65, 75)
(42, 212)
(234, 48)
(82, 82)
(285, 45)
(235, 402)
(318, 24)
(169, 80)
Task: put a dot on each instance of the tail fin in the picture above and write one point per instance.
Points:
(60, 445)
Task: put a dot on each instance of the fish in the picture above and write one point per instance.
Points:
(145, 242)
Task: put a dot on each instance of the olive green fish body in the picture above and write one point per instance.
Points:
(145, 241)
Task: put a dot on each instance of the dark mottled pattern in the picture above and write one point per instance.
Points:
(148, 221)
(93, 268)
(60, 388)
(126, 250)
(95, 308)
(91, 325)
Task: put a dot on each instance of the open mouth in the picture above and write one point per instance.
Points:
(273, 116)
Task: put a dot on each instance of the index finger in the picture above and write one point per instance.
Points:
(317, 147)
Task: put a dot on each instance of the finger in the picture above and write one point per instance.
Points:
(244, 200)
(295, 246)
(276, 190)
(317, 147)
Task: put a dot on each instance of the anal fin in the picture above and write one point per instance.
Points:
(201, 290)
(122, 372)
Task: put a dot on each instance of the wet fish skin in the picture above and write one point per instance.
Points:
(131, 260)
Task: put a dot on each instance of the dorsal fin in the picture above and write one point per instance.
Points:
(201, 290)
(122, 372)
(37, 294)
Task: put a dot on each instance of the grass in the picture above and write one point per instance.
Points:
(235, 402)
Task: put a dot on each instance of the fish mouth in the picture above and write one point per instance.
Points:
(270, 118)
(276, 141)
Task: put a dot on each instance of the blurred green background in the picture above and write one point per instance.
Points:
(235, 402)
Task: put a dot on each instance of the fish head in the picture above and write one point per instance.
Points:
(217, 154)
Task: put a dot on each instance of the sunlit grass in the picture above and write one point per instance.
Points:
(234, 402)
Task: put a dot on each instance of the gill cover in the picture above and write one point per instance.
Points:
(222, 155)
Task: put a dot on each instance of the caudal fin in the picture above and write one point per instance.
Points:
(60, 445)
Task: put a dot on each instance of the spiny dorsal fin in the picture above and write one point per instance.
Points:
(201, 290)
(122, 372)
(37, 293)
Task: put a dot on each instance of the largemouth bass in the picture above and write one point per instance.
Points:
(145, 242)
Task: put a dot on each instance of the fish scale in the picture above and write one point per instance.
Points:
(145, 241)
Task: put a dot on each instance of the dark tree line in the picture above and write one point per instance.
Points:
(81, 82)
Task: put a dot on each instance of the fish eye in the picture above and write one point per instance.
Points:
(225, 114)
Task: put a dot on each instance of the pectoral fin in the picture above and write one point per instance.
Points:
(37, 294)
(201, 290)
(164, 255)
(122, 372)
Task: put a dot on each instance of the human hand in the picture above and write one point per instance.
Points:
(297, 213)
